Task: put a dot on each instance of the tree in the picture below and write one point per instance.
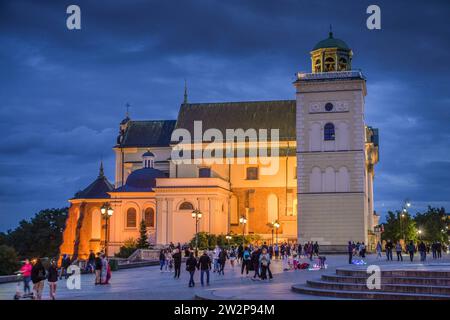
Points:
(9, 261)
(39, 237)
(399, 225)
(142, 242)
(433, 224)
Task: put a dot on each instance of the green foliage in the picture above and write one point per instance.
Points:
(209, 241)
(142, 242)
(39, 237)
(129, 246)
(399, 227)
(9, 262)
(433, 224)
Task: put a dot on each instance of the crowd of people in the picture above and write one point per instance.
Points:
(411, 249)
(255, 259)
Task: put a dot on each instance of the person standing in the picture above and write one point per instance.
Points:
(104, 270)
(98, 269)
(439, 249)
(411, 250)
(38, 278)
(204, 264)
(191, 264)
(388, 247)
(255, 262)
(398, 250)
(52, 279)
(232, 256)
(216, 253)
(422, 251)
(222, 260)
(350, 252)
(26, 274)
(276, 250)
(379, 249)
(177, 263)
(91, 262)
(65, 263)
(240, 253)
(316, 248)
(264, 260)
(362, 250)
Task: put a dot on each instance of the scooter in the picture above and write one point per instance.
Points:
(19, 294)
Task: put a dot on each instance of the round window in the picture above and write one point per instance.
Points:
(329, 106)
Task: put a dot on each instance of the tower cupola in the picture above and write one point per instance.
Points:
(331, 55)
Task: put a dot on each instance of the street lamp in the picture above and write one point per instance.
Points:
(243, 221)
(228, 237)
(197, 215)
(276, 225)
(420, 233)
(107, 212)
(406, 205)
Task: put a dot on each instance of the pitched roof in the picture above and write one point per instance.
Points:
(153, 133)
(96, 190)
(278, 114)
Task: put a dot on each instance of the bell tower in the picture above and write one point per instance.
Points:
(334, 194)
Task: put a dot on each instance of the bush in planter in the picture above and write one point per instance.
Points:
(9, 263)
(127, 249)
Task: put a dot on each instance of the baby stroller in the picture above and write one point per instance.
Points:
(19, 289)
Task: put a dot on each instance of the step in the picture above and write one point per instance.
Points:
(388, 280)
(304, 289)
(397, 288)
(396, 273)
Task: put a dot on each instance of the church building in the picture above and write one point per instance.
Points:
(321, 191)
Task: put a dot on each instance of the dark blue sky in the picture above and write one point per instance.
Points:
(63, 92)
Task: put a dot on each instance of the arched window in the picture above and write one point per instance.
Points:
(315, 180)
(329, 64)
(186, 206)
(317, 66)
(329, 180)
(131, 218)
(343, 180)
(328, 132)
(342, 64)
(149, 217)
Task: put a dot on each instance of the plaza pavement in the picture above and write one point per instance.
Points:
(148, 283)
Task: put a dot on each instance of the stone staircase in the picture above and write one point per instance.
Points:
(396, 284)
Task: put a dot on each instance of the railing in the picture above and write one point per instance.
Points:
(330, 75)
(144, 254)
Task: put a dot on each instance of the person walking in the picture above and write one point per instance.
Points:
(246, 258)
(191, 264)
(362, 250)
(379, 249)
(204, 264)
(65, 263)
(433, 250)
(398, 250)
(411, 250)
(38, 278)
(52, 279)
(162, 260)
(276, 250)
(25, 270)
(232, 256)
(240, 253)
(350, 252)
(216, 263)
(104, 270)
(439, 249)
(388, 247)
(316, 248)
(177, 263)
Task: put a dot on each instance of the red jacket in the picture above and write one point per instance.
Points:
(26, 270)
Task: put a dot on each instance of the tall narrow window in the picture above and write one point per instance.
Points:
(149, 217)
(272, 208)
(131, 218)
(328, 132)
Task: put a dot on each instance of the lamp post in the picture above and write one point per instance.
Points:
(406, 205)
(107, 212)
(243, 221)
(420, 234)
(276, 225)
(197, 215)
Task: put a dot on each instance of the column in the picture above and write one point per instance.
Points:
(161, 235)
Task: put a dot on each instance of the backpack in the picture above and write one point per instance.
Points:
(246, 255)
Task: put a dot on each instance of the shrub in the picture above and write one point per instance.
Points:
(129, 246)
